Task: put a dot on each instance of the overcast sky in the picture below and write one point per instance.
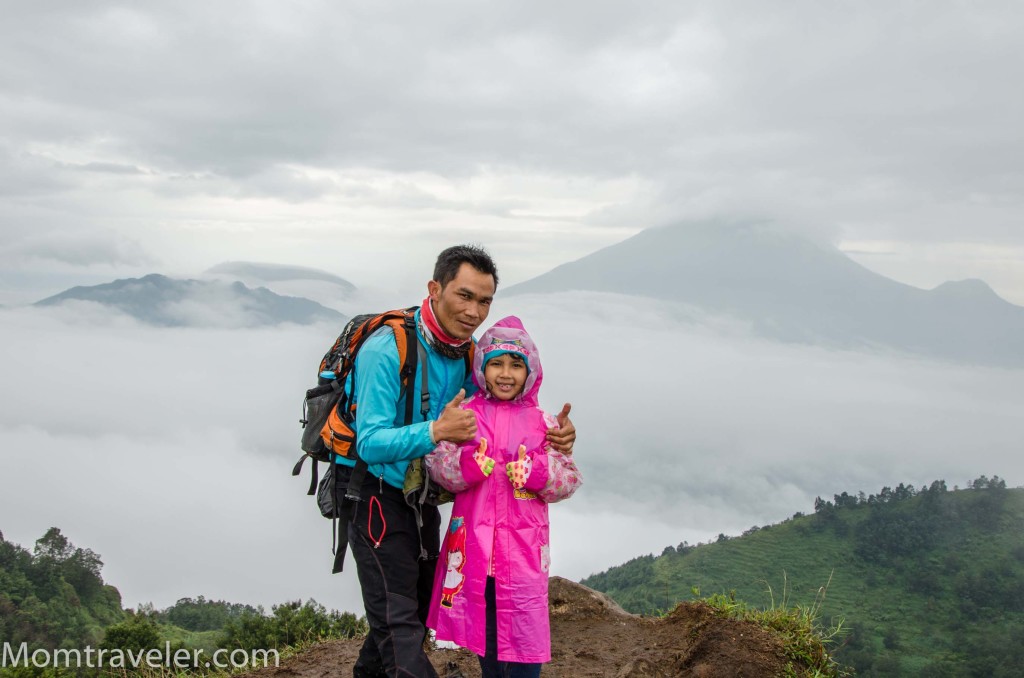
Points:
(171, 137)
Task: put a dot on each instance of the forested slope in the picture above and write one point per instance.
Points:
(54, 596)
(927, 582)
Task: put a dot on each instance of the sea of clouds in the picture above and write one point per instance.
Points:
(169, 451)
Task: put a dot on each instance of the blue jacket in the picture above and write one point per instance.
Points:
(382, 440)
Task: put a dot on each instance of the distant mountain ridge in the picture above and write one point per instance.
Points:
(159, 300)
(789, 288)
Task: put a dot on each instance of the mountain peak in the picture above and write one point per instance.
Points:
(790, 288)
(159, 300)
(967, 288)
(695, 261)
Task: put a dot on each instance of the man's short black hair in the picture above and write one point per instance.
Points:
(449, 262)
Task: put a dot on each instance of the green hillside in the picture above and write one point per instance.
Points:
(927, 582)
(54, 597)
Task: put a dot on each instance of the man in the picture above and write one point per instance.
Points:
(395, 545)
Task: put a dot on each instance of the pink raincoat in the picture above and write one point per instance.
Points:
(496, 530)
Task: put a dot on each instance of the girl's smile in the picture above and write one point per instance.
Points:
(505, 375)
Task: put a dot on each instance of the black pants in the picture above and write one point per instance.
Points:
(396, 583)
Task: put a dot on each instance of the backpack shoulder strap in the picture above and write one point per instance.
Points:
(403, 325)
(404, 328)
(469, 358)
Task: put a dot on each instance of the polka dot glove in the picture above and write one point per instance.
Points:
(518, 471)
(485, 463)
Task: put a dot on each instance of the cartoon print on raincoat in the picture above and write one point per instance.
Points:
(455, 557)
(506, 536)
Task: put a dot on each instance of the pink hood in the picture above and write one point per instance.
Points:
(509, 334)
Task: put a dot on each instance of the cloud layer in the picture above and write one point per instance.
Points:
(168, 451)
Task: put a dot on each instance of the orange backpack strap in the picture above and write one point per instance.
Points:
(403, 326)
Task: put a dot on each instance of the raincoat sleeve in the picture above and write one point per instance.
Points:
(561, 477)
(453, 467)
(379, 440)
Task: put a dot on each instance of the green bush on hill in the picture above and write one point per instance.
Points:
(200, 614)
(290, 624)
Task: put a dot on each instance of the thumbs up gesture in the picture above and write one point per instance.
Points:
(563, 437)
(485, 463)
(563, 416)
(455, 424)
(456, 402)
(519, 470)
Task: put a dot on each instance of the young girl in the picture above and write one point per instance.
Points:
(491, 586)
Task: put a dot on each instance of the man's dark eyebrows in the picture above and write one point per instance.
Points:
(472, 295)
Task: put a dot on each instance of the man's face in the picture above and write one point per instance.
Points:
(462, 305)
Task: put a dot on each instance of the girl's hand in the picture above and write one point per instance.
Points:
(485, 463)
(518, 471)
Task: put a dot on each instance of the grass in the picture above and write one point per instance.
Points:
(805, 640)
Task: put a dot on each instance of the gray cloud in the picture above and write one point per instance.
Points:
(840, 104)
(25, 176)
(299, 123)
(109, 168)
(78, 249)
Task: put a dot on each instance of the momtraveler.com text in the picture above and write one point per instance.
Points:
(117, 658)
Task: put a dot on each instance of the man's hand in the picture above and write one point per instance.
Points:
(485, 463)
(563, 437)
(455, 424)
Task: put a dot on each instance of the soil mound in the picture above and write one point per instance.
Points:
(592, 636)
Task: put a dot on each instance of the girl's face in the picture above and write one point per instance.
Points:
(505, 376)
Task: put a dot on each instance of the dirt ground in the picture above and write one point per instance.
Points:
(592, 636)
